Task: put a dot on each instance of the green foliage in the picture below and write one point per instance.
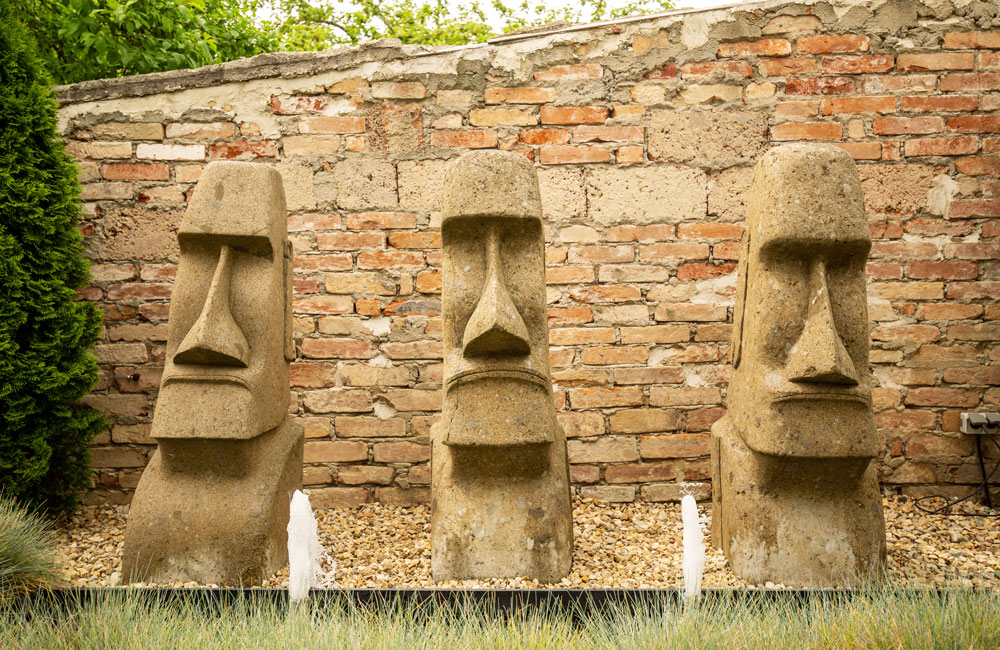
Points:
(27, 551)
(321, 24)
(45, 332)
(93, 39)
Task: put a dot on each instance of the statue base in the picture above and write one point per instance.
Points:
(814, 523)
(501, 511)
(214, 511)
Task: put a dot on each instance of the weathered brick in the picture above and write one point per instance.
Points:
(944, 103)
(907, 125)
(339, 497)
(819, 86)
(603, 449)
(589, 133)
(831, 43)
(326, 124)
(760, 47)
(339, 451)
(466, 139)
(690, 312)
(402, 497)
(678, 445)
(99, 149)
(641, 473)
(561, 155)
(978, 166)
(806, 131)
(971, 40)
(311, 145)
(401, 452)
(398, 90)
(973, 124)
(570, 72)
(574, 114)
(632, 421)
(856, 105)
(958, 397)
(589, 398)
(502, 117)
(368, 427)
(941, 146)
(787, 66)
(519, 95)
(962, 81)
(136, 172)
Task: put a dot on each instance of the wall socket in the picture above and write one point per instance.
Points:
(974, 424)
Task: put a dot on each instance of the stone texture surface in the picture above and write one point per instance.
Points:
(617, 265)
(500, 492)
(212, 504)
(796, 498)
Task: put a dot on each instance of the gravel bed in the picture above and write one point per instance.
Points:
(630, 545)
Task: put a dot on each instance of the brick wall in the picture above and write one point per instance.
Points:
(644, 133)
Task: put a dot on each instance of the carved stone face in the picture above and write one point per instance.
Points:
(496, 340)
(229, 338)
(801, 386)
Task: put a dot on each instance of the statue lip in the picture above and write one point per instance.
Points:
(486, 373)
(208, 379)
(829, 395)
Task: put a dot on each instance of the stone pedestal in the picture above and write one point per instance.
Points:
(214, 511)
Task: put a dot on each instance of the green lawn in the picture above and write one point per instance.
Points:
(872, 619)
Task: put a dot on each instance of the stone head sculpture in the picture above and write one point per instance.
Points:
(795, 496)
(229, 339)
(801, 386)
(212, 504)
(498, 390)
(500, 484)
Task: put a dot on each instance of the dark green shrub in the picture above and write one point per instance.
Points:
(45, 333)
(27, 551)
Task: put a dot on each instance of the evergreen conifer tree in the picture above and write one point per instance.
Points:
(45, 332)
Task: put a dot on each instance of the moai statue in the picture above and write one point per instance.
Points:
(212, 504)
(500, 493)
(795, 494)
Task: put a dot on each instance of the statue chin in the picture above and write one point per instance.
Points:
(502, 410)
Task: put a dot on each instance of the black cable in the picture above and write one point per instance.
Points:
(985, 485)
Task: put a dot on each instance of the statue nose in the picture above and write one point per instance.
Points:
(215, 339)
(819, 355)
(496, 326)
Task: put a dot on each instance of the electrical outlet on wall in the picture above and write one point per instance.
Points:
(979, 423)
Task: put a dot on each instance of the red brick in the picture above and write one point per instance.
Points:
(806, 131)
(313, 375)
(325, 124)
(339, 497)
(614, 355)
(897, 83)
(415, 239)
(704, 270)
(960, 81)
(577, 71)
(991, 145)
(136, 172)
(641, 473)
(655, 334)
(368, 427)
(918, 333)
(941, 146)
(974, 208)
(857, 64)
(337, 349)
(819, 86)
(519, 95)
(787, 66)
(855, 105)
(724, 68)
(607, 134)
(389, 259)
(703, 419)
(711, 230)
(558, 155)
(139, 291)
(908, 419)
(606, 293)
(978, 166)
(859, 151)
(936, 61)
(958, 397)
(690, 312)
(678, 445)
(632, 421)
(582, 424)
(761, 47)
(401, 452)
(949, 311)
(900, 125)
(971, 40)
(939, 103)
(588, 398)
(569, 274)
(657, 232)
(973, 290)
(398, 90)
(831, 43)
(340, 451)
(581, 335)
(574, 114)
(667, 71)
(686, 396)
(975, 332)
(974, 124)
(544, 136)
(324, 305)
(983, 376)
(806, 108)
(243, 149)
(656, 375)
(673, 251)
(292, 105)
(469, 139)
(584, 474)
(349, 241)
(884, 271)
(311, 263)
